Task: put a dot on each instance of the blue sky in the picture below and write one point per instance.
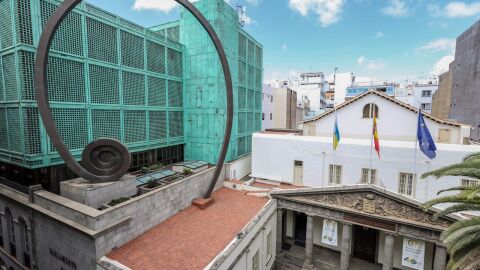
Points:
(375, 39)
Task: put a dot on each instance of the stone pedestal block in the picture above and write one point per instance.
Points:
(95, 195)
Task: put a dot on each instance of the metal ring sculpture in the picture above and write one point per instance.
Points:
(107, 160)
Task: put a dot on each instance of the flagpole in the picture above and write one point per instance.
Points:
(334, 150)
(416, 148)
(372, 112)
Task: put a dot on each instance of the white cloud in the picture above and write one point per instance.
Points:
(284, 47)
(438, 45)
(371, 64)
(164, 5)
(293, 73)
(379, 35)
(378, 64)
(253, 2)
(441, 65)
(360, 60)
(249, 21)
(456, 9)
(161, 5)
(396, 8)
(328, 11)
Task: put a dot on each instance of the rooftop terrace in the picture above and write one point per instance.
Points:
(192, 238)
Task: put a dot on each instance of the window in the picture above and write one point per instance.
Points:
(470, 183)
(256, 261)
(271, 116)
(366, 175)
(1, 234)
(298, 163)
(263, 116)
(10, 232)
(426, 93)
(269, 247)
(25, 242)
(271, 98)
(406, 184)
(335, 177)
(369, 109)
(426, 106)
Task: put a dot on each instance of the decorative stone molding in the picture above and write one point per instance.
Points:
(419, 233)
(371, 204)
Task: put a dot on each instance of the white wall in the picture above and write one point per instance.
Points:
(313, 92)
(418, 100)
(274, 155)
(239, 168)
(240, 252)
(394, 122)
(343, 80)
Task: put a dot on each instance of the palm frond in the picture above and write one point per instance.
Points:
(456, 189)
(467, 256)
(465, 172)
(462, 207)
(455, 168)
(450, 199)
(473, 265)
(454, 236)
(466, 243)
(460, 225)
(472, 156)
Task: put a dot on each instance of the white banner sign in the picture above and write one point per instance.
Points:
(413, 253)
(329, 232)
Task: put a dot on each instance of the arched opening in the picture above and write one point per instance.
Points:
(10, 233)
(369, 110)
(25, 242)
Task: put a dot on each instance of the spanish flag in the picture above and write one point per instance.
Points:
(375, 135)
(336, 134)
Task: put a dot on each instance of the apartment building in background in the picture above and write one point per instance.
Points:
(441, 99)
(285, 108)
(268, 107)
(466, 82)
(418, 95)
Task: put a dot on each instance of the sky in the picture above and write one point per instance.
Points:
(395, 40)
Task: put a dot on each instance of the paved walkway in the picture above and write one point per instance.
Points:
(324, 259)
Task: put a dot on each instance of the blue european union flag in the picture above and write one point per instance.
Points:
(425, 140)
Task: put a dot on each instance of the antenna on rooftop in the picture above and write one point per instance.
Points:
(241, 15)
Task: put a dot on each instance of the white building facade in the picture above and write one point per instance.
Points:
(310, 161)
(267, 107)
(397, 121)
(418, 96)
(312, 86)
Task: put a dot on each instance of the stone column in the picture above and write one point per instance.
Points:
(346, 247)
(309, 244)
(388, 252)
(440, 259)
(279, 230)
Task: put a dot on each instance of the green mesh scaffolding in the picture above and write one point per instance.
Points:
(108, 77)
(205, 107)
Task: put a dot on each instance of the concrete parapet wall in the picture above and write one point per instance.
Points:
(119, 224)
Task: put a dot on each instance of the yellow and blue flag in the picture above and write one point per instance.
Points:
(336, 134)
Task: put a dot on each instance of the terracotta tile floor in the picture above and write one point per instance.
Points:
(191, 238)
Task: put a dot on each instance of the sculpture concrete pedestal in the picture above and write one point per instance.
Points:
(95, 195)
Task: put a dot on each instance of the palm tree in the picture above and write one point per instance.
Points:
(463, 237)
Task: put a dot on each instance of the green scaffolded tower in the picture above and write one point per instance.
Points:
(107, 77)
(205, 98)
